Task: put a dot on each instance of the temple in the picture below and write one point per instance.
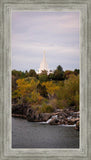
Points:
(43, 65)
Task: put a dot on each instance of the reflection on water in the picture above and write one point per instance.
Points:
(38, 135)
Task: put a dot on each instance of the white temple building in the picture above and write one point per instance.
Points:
(43, 65)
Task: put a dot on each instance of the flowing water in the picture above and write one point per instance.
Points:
(40, 135)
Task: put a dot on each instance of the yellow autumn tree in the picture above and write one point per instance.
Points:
(27, 91)
(51, 87)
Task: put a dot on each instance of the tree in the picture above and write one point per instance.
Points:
(76, 72)
(14, 85)
(32, 73)
(26, 73)
(67, 74)
(43, 72)
(68, 94)
(43, 77)
(59, 73)
(42, 90)
(59, 68)
(51, 76)
(26, 91)
(18, 74)
(51, 88)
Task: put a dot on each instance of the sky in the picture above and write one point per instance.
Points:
(55, 32)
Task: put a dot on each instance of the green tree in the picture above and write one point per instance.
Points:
(59, 73)
(43, 77)
(32, 73)
(59, 68)
(51, 76)
(42, 90)
(26, 73)
(43, 72)
(68, 94)
(18, 74)
(76, 72)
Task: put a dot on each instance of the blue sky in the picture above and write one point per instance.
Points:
(55, 32)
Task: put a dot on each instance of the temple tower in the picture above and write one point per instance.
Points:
(43, 65)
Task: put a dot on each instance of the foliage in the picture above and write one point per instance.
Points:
(43, 77)
(42, 90)
(18, 74)
(59, 73)
(60, 68)
(26, 73)
(43, 72)
(32, 73)
(26, 91)
(46, 92)
(68, 94)
(62, 103)
(46, 108)
(13, 83)
(51, 76)
(51, 88)
(76, 72)
(53, 102)
(67, 74)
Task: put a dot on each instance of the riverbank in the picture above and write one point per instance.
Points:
(66, 116)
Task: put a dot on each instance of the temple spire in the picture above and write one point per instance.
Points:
(43, 65)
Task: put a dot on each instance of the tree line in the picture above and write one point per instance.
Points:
(47, 92)
(58, 74)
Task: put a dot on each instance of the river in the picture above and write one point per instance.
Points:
(39, 135)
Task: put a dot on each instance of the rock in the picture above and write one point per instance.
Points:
(77, 126)
(19, 109)
(35, 116)
(19, 116)
(54, 121)
(32, 116)
(59, 110)
(74, 120)
(70, 122)
(45, 116)
(60, 116)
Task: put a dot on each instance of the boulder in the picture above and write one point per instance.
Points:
(19, 116)
(77, 126)
(70, 122)
(45, 116)
(54, 121)
(19, 109)
(35, 116)
(74, 120)
(32, 116)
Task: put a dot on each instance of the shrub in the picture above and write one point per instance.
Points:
(76, 100)
(53, 102)
(46, 108)
(42, 90)
(62, 103)
(68, 94)
(43, 78)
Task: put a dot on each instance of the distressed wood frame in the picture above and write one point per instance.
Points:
(6, 7)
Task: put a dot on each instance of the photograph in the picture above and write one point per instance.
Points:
(45, 75)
